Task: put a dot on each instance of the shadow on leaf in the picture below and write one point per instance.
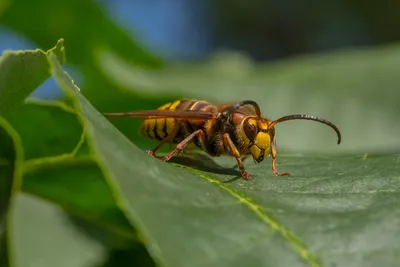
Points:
(205, 163)
(134, 256)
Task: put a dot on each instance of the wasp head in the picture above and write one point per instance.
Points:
(259, 133)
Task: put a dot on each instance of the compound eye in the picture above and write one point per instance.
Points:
(250, 128)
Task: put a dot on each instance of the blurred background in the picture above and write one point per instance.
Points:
(264, 29)
(334, 59)
(339, 60)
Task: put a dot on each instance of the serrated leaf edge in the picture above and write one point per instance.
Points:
(108, 177)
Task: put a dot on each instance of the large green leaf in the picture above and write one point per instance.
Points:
(21, 72)
(74, 184)
(56, 171)
(333, 211)
(52, 136)
(357, 90)
(83, 44)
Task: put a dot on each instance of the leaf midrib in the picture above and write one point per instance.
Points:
(295, 241)
(71, 89)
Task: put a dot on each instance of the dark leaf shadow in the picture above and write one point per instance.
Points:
(205, 163)
(136, 255)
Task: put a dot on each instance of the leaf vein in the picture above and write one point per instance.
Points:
(297, 244)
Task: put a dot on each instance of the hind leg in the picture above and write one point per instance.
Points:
(167, 139)
(182, 144)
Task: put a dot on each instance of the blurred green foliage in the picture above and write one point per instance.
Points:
(86, 28)
(81, 175)
(355, 89)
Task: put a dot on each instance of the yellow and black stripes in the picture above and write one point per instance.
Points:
(160, 128)
(210, 139)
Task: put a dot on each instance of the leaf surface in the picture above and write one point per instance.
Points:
(42, 236)
(313, 218)
(177, 213)
(59, 169)
(21, 72)
(345, 209)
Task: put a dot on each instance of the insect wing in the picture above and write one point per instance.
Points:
(179, 114)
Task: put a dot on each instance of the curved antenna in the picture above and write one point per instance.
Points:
(310, 118)
(247, 102)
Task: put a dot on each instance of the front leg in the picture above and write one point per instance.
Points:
(273, 155)
(228, 143)
(243, 158)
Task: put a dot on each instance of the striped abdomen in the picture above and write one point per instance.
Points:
(160, 128)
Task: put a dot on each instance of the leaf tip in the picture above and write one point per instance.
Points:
(63, 79)
(59, 50)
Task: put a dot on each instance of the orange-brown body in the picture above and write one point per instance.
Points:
(161, 128)
(231, 129)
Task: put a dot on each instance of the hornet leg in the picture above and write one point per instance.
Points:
(242, 159)
(182, 144)
(273, 154)
(169, 138)
(228, 143)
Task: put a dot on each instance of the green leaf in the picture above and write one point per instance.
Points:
(47, 129)
(11, 157)
(333, 211)
(345, 209)
(52, 135)
(82, 42)
(77, 186)
(52, 171)
(357, 90)
(42, 236)
(83, 45)
(21, 72)
(156, 195)
(69, 17)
